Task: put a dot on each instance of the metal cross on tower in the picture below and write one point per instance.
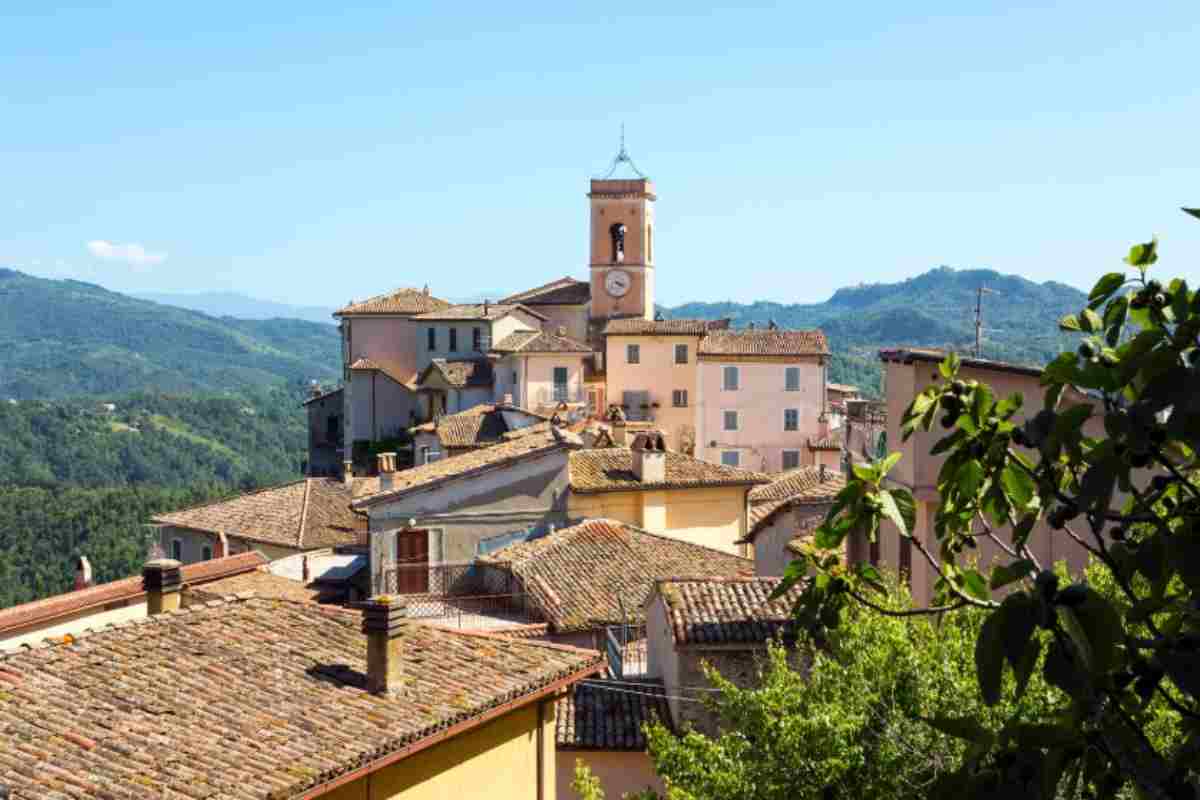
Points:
(622, 157)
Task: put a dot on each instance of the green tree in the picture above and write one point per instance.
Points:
(853, 723)
(1129, 495)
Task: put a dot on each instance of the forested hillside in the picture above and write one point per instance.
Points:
(935, 309)
(68, 338)
(76, 478)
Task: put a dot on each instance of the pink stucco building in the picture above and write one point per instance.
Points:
(760, 397)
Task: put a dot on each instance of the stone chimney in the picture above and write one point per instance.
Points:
(387, 471)
(83, 573)
(616, 418)
(162, 582)
(383, 624)
(348, 472)
(649, 457)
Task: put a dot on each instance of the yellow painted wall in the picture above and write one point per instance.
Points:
(497, 761)
(620, 772)
(711, 517)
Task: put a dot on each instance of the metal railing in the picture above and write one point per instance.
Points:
(625, 646)
(560, 394)
(466, 594)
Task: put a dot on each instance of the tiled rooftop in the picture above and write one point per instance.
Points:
(253, 699)
(364, 364)
(259, 581)
(764, 343)
(459, 372)
(636, 326)
(478, 426)
(468, 463)
(611, 470)
(564, 291)
(539, 342)
(480, 311)
(797, 486)
(930, 355)
(401, 301)
(306, 514)
(585, 575)
(47, 610)
(609, 715)
(725, 611)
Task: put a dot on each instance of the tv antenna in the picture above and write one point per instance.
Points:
(979, 317)
(622, 157)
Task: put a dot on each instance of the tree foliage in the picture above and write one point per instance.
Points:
(1126, 490)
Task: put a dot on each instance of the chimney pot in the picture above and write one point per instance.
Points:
(348, 472)
(83, 573)
(162, 582)
(383, 624)
(561, 330)
(649, 458)
(821, 473)
(387, 471)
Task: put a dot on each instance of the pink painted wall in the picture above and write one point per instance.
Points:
(538, 373)
(389, 340)
(760, 399)
(657, 373)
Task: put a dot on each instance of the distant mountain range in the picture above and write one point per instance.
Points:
(62, 338)
(232, 304)
(67, 338)
(935, 309)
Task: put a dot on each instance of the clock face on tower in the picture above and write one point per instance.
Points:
(617, 282)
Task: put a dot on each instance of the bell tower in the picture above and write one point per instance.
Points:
(622, 242)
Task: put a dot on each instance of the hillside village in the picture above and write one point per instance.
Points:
(524, 525)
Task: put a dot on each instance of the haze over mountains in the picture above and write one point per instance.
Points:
(62, 338)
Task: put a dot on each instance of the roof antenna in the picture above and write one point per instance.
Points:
(979, 316)
(622, 158)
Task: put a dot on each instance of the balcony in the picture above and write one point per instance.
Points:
(560, 394)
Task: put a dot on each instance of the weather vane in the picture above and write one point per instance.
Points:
(623, 158)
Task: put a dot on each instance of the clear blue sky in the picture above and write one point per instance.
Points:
(312, 153)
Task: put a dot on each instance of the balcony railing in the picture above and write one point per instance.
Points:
(560, 394)
(466, 595)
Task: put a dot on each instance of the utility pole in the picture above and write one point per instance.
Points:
(979, 318)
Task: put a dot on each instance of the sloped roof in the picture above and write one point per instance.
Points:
(931, 355)
(609, 715)
(762, 342)
(459, 372)
(404, 301)
(843, 388)
(480, 311)
(636, 326)
(323, 395)
(562, 292)
(262, 582)
(794, 487)
(253, 699)
(727, 611)
(611, 470)
(49, 609)
(583, 576)
(363, 363)
(306, 514)
(539, 342)
(470, 463)
(479, 426)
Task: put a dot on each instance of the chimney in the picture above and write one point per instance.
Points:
(485, 307)
(561, 330)
(821, 473)
(162, 582)
(387, 471)
(649, 457)
(618, 428)
(348, 472)
(83, 573)
(221, 545)
(383, 623)
(314, 390)
(426, 290)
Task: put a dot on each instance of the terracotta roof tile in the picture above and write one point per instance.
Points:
(564, 291)
(539, 342)
(609, 715)
(255, 699)
(794, 487)
(480, 311)
(366, 364)
(459, 372)
(764, 343)
(726, 611)
(44, 611)
(584, 575)
(611, 470)
(262, 582)
(306, 514)
(400, 301)
(929, 355)
(458, 466)
(636, 326)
